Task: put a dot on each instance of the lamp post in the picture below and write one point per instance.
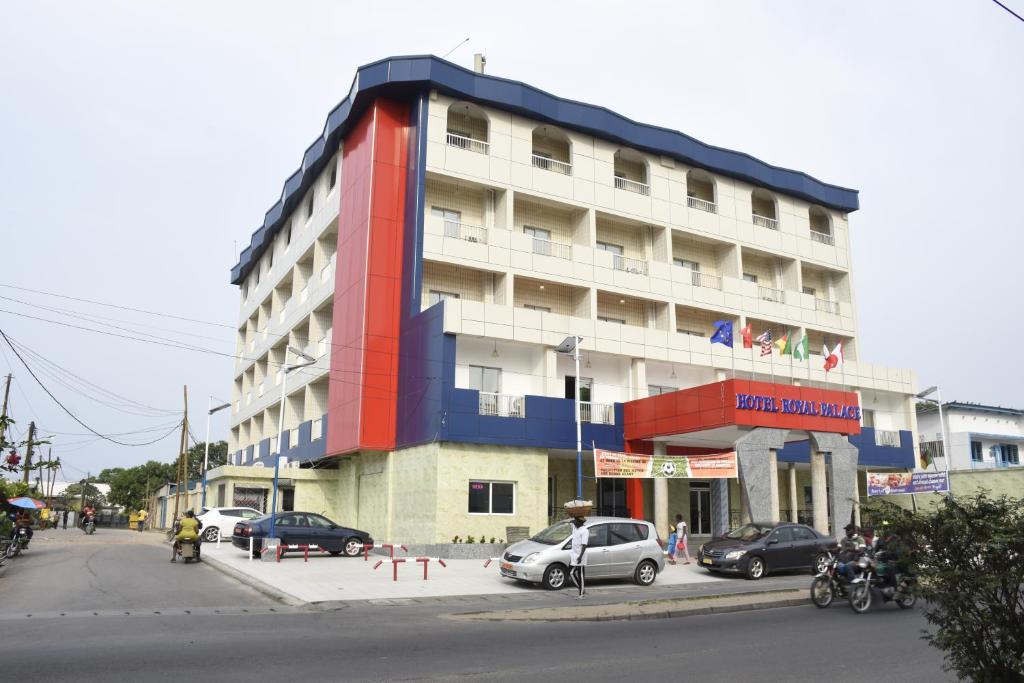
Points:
(946, 455)
(285, 369)
(572, 345)
(206, 456)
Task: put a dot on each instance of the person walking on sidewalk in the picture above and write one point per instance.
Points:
(577, 554)
(142, 518)
(681, 540)
(670, 545)
(65, 518)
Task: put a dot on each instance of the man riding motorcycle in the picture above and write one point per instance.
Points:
(849, 550)
(88, 512)
(188, 530)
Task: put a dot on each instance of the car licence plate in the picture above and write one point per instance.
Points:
(708, 560)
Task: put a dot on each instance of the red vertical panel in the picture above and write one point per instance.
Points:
(363, 385)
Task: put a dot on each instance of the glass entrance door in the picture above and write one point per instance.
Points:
(700, 508)
(611, 498)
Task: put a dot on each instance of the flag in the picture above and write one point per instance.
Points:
(765, 339)
(723, 333)
(800, 351)
(831, 359)
(926, 457)
(746, 332)
(785, 344)
(838, 353)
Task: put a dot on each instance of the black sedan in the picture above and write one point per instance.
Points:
(301, 528)
(755, 549)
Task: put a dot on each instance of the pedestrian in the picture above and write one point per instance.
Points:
(671, 545)
(142, 518)
(65, 516)
(681, 538)
(579, 539)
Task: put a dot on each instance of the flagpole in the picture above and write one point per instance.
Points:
(771, 360)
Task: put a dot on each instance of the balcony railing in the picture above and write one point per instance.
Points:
(549, 248)
(260, 388)
(699, 279)
(469, 144)
(822, 237)
(765, 222)
(321, 346)
(771, 294)
(701, 204)
(325, 272)
(629, 265)
(632, 186)
(597, 413)
(826, 306)
(502, 405)
(465, 231)
(316, 429)
(304, 294)
(887, 437)
(548, 164)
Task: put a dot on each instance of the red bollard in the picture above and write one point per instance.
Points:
(441, 562)
(395, 563)
(425, 561)
(366, 552)
(307, 552)
(379, 563)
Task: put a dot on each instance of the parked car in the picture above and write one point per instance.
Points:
(301, 528)
(222, 520)
(618, 548)
(756, 549)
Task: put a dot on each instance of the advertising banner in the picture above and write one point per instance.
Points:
(639, 466)
(895, 483)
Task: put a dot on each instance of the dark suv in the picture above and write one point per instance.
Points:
(755, 549)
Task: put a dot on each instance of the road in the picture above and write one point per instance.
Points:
(130, 615)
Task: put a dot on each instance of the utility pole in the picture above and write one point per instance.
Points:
(181, 461)
(7, 394)
(88, 476)
(28, 451)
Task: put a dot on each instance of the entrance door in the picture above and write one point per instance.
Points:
(700, 508)
(611, 498)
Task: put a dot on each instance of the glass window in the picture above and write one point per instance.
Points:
(542, 309)
(436, 295)
(487, 380)
(452, 219)
(334, 175)
(496, 498)
(749, 277)
(809, 290)
(612, 248)
(309, 205)
(537, 233)
(626, 533)
(783, 535)
(319, 522)
(684, 263)
(598, 536)
(290, 520)
(657, 390)
(1010, 454)
(554, 534)
(976, 451)
(802, 534)
(867, 417)
(288, 235)
(552, 496)
(479, 497)
(250, 514)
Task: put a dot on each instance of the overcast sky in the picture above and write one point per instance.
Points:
(142, 143)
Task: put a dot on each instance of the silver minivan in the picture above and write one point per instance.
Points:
(618, 548)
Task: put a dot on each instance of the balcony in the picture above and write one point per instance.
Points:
(548, 248)
(826, 306)
(822, 237)
(771, 294)
(699, 279)
(465, 231)
(468, 144)
(887, 438)
(502, 405)
(701, 204)
(764, 221)
(597, 413)
(632, 186)
(629, 265)
(549, 164)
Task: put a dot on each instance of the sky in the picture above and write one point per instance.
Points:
(142, 142)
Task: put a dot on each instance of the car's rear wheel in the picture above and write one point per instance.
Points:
(645, 573)
(820, 563)
(211, 534)
(555, 577)
(755, 568)
(353, 547)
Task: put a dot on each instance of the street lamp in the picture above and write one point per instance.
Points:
(206, 456)
(309, 360)
(946, 455)
(571, 345)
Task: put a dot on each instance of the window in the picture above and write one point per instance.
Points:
(802, 534)
(867, 418)
(783, 535)
(586, 387)
(598, 536)
(621, 533)
(288, 235)
(976, 451)
(750, 277)
(534, 307)
(319, 522)
(1010, 454)
(553, 509)
(487, 380)
(334, 176)
(452, 219)
(492, 498)
(657, 390)
(309, 206)
(684, 263)
(436, 295)
(612, 248)
(606, 319)
(809, 290)
(537, 233)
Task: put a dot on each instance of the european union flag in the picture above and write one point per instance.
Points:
(723, 333)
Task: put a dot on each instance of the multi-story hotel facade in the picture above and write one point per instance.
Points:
(449, 229)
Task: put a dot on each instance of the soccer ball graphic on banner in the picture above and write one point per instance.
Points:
(668, 469)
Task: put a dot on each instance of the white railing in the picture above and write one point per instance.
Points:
(765, 222)
(465, 231)
(826, 306)
(632, 186)
(629, 265)
(468, 144)
(502, 405)
(822, 237)
(549, 248)
(597, 413)
(552, 164)
(304, 294)
(702, 204)
(699, 279)
(771, 294)
(887, 437)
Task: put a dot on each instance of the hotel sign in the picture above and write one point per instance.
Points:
(796, 406)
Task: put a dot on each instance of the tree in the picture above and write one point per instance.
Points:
(218, 457)
(73, 493)
(969, 556)
(129, 487)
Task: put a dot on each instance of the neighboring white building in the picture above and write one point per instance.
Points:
(979, 436)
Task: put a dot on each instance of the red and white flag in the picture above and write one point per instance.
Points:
(765, 338)
(834, 358)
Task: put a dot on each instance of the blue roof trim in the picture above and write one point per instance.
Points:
(400, 76)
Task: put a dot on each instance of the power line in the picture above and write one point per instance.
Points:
(1008, 9)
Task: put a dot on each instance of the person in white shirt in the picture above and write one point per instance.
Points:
(681, 540)
(577, 554)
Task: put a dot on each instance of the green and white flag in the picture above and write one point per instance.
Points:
(800, 349)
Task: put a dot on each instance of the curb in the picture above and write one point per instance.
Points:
(254, 583)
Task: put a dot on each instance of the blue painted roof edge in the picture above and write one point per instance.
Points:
(416, 72)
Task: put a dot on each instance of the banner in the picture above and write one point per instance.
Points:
(610, 464)
(896, 483)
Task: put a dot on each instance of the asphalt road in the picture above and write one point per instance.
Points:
(129, 615)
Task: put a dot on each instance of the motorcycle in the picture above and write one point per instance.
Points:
(901, 591)
(829, 584)
(188, 550)
(19, 542)
(89, 527)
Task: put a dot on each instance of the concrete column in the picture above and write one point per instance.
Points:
(638, 378)
(554, 386)
(856, 505)
(819, 491)
(661, 520)
(843, 472)
(759, 476)
(792, 493)
(719, 506)
(773, 470)
(744, 504)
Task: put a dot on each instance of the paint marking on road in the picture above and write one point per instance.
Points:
(163, 612)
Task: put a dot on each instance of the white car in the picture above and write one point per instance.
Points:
(222, 521)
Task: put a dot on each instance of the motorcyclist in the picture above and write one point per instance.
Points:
(88, 512)
(850, 549)
(187, 530)
(22, 519)
(890, 554)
